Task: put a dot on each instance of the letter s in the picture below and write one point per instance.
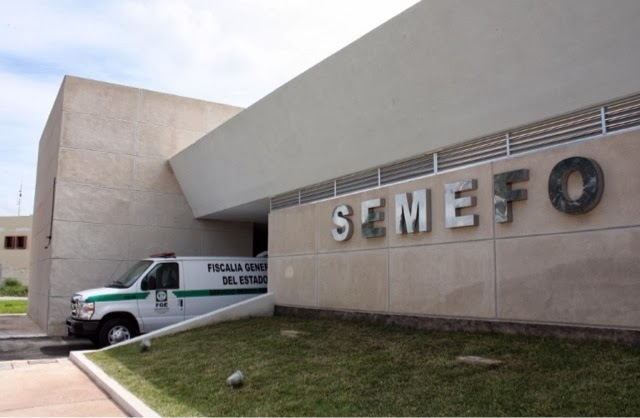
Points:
(344, 229)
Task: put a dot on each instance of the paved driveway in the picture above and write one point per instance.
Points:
(22, 339)
(37, 378)
(18, 326)
(52, 387)
(40, 348)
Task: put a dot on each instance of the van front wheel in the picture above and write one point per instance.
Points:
(116, 330)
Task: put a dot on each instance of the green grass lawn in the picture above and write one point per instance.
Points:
(13, 306)
(334, 368)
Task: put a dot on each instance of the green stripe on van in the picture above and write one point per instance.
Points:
(219, 292)
(117, 297)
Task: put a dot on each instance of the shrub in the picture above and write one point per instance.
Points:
(13, 287)
(12, 282)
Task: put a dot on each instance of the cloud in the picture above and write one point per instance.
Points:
(231, 52)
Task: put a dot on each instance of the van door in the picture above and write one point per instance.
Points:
(216, 283)
(162, 307)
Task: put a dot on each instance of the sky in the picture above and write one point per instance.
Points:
(226, 51)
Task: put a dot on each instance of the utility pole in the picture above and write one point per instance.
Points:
(19, 197)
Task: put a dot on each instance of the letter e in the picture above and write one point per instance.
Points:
(369, 216)
(453, 204)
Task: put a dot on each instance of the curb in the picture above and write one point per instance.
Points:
(126, 400)
(22, 336)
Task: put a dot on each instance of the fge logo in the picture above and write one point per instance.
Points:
(161, 299)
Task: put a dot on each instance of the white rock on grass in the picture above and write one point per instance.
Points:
(478, 360)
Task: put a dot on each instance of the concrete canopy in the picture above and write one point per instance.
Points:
(440, 73)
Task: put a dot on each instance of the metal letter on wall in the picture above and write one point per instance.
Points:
(592, 185)
(369, 216)
(413, 212)
(344, 229)
(453, 204)
(503, 195)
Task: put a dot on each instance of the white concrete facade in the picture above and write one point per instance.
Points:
(544, 267)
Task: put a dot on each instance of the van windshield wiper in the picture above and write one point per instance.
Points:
(116, 284)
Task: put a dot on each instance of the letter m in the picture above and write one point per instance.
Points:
(413, 212)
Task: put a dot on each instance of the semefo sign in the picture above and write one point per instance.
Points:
(413, 210)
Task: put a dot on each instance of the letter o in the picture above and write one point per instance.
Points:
(592, 185)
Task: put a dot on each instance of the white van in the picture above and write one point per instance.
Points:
(163, 290)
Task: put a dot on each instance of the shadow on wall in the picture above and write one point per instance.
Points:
(260, 238)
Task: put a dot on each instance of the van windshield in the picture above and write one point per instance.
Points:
(130, 277)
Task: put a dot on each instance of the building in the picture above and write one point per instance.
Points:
(466, 164)
(106, 195)
(16, 249)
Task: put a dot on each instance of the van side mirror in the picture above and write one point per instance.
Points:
(144, 285)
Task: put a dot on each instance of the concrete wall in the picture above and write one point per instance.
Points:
(14, 263)
(544, 267)
(116, 198)
(40, 269)
(442, 72)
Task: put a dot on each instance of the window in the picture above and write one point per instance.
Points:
(15, 242)
(21, 243)
(9, 243)
(163, 276)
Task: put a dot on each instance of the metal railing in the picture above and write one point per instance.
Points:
(589, 123)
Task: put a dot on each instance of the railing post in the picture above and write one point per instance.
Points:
(603, 120)
(435, 163)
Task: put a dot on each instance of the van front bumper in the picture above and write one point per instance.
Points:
(82, 328)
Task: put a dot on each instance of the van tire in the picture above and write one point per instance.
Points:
(116, 330)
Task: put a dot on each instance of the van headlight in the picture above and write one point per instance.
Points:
(85, 310)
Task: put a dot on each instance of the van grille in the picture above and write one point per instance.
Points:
(74, 307)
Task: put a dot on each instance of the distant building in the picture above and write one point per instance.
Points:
(15, 252)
